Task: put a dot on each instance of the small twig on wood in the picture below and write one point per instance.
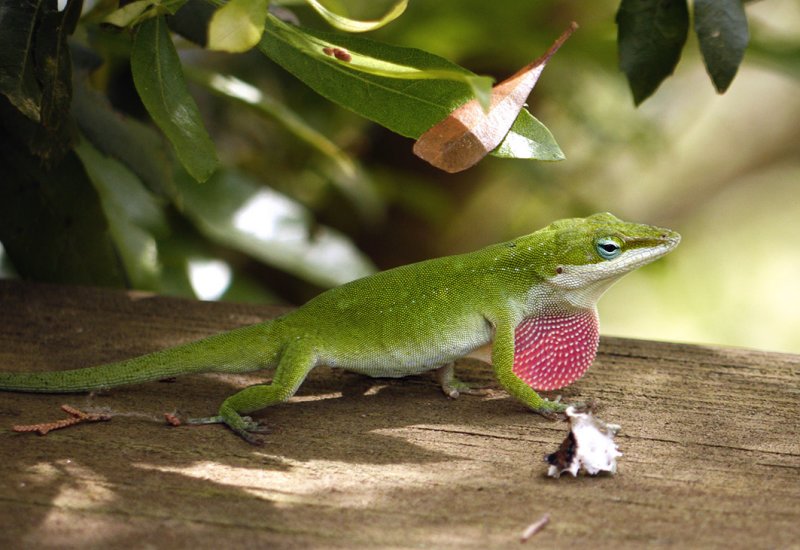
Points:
(76, 417)
(173, 419)
(535, 527)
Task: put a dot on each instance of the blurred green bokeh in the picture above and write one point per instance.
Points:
(722, 170)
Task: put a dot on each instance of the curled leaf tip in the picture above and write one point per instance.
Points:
(349, 24)
(573, 26)
(469, 132)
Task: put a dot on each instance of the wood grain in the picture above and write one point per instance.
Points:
(710, 436)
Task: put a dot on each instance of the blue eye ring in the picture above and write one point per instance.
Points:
(608, 248)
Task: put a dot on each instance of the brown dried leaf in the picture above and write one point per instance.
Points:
(468, 133)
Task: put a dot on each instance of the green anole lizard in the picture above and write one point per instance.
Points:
(533, 299)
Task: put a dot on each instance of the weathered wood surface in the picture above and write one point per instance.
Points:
(711, 442)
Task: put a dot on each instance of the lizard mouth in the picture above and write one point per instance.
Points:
(645, 250)
(637, 257)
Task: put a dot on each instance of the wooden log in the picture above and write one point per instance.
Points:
(710, 436)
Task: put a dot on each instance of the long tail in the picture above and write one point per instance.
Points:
(246, 349)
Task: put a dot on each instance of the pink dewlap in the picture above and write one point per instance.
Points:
(552, 351)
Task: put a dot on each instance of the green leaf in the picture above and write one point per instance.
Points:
(159, 80)
(721, 27)
(7, 270)
(129, 14)
(51, 222)
(347, 174)
(192, 21)
(134, 13)
(42, 89)
(237, 26)
(134, 216)
(468, 134)
(17, 66)
(98, 11)
(529, 139)
(354, 25)
(651, 34)
(238, 212)
(54, 73)
(136, 145)
(369, 68)
(408, 102)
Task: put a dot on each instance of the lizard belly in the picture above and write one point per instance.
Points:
(412, 355)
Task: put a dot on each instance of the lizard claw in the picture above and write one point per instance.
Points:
(552, 410)
(255, 426)
(452, 387)
(243, 426)
(248, 430)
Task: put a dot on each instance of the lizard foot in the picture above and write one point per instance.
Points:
(452, 387)
(243, 426)
(552, 410)
(456, 388)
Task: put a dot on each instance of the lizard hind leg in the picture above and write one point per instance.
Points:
(295, 363)
(452, 387)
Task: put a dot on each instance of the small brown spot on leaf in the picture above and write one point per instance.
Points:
(342, 54)
(339, 53)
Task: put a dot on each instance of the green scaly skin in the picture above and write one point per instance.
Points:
(403, 321)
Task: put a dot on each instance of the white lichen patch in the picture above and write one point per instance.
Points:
(589, 446)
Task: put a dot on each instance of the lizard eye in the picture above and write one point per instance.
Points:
(608, 248)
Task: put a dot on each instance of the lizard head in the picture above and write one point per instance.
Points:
(585, 256)
(577, 260)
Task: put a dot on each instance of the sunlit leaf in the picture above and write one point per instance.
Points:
(98, 10)
(129, 13)
(134, 216)
(137, 11)
(7, 270)
(529, 139)
(651, 35)
(468, 134)
(138, 146)
(237, 26)
(238, 212)
(158, 77)
(347, 175)
(363, 74)
(354, 25)
(721, 27)
(405, 107)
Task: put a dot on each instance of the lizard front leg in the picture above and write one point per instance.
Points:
(503, 364)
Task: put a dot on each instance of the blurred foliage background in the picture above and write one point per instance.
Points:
(723, 170)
